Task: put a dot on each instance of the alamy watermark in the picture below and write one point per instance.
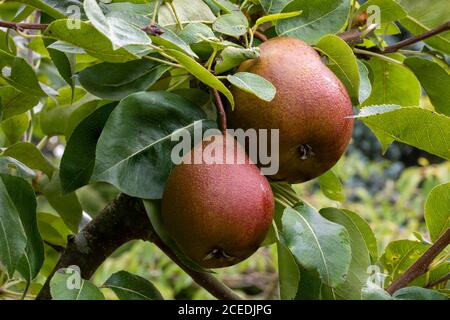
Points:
(262, 147)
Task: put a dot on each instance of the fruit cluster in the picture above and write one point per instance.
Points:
(218, 214)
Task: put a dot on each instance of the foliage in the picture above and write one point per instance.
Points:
(89, 104)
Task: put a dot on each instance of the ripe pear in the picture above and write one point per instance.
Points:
(311, 108)
(218, 212)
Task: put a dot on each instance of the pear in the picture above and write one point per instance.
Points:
(219, 210)
(311, 108)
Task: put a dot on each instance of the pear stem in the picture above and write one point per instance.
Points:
(221, 115)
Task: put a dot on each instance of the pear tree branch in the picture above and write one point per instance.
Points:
(422, 264)
(399, 45)
(123, 220)
(152, 29)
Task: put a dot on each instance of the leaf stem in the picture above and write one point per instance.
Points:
(176, 65)
(379, 56)
(155, 11)
(180, 25)
(41, 145)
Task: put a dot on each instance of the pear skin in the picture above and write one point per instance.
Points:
(311, 108)
(218, 214)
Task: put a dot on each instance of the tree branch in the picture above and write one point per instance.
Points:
(221, 115)
(152, 29)
(394, 48)
(421, 265)
(121, 221)
(23, 26)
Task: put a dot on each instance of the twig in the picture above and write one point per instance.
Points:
(23, 26)
(221, 115)
(352, 36)
(421, 265)
(152, 29)
(378, 55)
(394, 48)
(438, 281)
(121, 221)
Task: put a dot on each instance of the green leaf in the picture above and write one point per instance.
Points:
(64, 63)
(373, 292)
(55, 8)
(400, 255)
(7, 43)
(437, 211)
(342, 62)
(120, 32)
(389, 10)
(417, 293)
(276, 17)
(365, 87)
(67, 284)
(90, 39)
(289, 274)
(434, 79)
(29, 155)
(254, 84)
(19, 74)
(13, 240)
(317, 243)
(153, 209)
(77, 163)
(331, 186)
(171, 40)
(53, 228)
(11, 166)
(14, 102)
(357, 274)
(128, 286)
(136, 142)
(231, 57)
(226, 6)
(67, 205)
(22, 196)
(54, 117)
(231, 24)
(196, 32)
(392, 84)
(425, 15)
(418, 127)
(14, 127)
(201, 73)
(273, 6)
(115, 81)
(310, 285)
(191, 11)
(317, 19)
